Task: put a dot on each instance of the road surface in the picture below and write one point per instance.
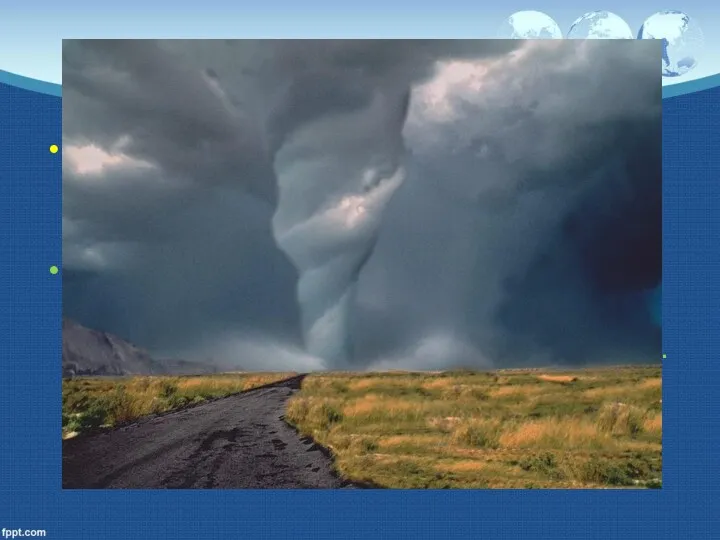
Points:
(236, 442)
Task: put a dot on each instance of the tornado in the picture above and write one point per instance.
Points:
(335, 175)
(332, 115)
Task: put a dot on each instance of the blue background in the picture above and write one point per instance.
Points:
(30, 346)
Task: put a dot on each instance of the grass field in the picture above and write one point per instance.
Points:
(89, 403)
(517, 429)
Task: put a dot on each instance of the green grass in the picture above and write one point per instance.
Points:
(508, 429)
(90, 403)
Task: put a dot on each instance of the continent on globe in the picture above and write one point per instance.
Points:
(600, 25)
(529, 25)
(682, 40)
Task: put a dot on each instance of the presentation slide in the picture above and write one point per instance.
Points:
(365, 271)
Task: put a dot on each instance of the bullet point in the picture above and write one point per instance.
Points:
(54, 270)
(54, 149)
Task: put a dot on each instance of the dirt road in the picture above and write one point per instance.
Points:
(236, 442)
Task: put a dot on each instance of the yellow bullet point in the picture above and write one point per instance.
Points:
(54, 149)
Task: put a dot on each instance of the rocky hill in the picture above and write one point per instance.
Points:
(92, 352)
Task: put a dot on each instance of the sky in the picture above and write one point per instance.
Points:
(31, 34)
(488, 203)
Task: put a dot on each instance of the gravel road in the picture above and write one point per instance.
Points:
(240, 441)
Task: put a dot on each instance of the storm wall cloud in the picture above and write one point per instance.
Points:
(412, 204)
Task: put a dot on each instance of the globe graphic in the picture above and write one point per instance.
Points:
(600, 25)
(529, 25)
(682, 40)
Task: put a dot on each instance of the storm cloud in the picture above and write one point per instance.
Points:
(527, 229)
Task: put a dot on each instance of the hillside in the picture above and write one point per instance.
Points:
(91, 352)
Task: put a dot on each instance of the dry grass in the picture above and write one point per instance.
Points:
(563, 379)
(524, 390)
(463, 466)
(444, 424)
(653, 424)
(438, 384)
(592, 428)
(559, 433)
(90, 403)
(621, 419)
(373, 405)
(395, 441)
(654, 383)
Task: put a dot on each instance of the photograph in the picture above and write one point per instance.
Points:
(361, 264)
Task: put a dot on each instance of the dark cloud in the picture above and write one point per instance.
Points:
(527, 229)
(166, 109)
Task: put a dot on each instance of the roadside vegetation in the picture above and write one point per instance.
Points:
(599, 428)
(90, 403)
